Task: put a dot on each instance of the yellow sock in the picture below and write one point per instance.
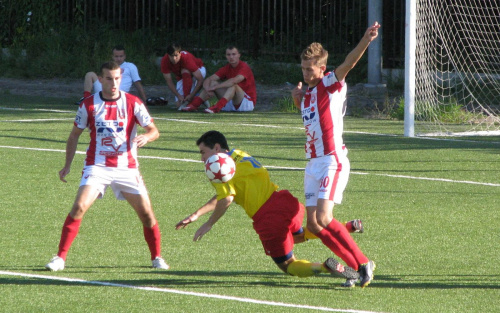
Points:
(308, 235)
(304, 268)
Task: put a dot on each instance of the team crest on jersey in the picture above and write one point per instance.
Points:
(308, 114)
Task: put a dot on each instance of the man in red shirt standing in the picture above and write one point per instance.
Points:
(233, 84)
(188, 71)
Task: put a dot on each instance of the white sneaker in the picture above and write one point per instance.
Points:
(55, 264)
(159, 263)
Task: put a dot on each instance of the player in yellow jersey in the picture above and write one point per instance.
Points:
(277, 215)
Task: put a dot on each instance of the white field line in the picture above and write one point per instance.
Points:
(239, 124)
(180, 292)
(282, 167)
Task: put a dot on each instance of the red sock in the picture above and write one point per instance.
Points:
(153, 238)
(334, 245)
(221, 103)
(86, 94)
(187, 83)
(340, 232)
(197, 101)
(69, 232)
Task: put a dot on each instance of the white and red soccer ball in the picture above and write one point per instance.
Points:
(220, 168)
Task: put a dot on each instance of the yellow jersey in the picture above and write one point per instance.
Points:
(250, 185)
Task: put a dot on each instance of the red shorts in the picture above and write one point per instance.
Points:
(276, 221)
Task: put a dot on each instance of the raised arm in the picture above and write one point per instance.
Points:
(356, 54)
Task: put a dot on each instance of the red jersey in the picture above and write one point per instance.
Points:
(323, 108)
(248, 84)
(112, 127)
(187, 61)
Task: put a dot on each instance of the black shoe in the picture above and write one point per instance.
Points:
(339, 270)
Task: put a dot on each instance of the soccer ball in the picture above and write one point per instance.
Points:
(220, 168)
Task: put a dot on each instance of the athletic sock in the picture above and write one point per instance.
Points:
(197, 101)
(69, 231)
(340, 232)
(336, 247)
(304, 268)
(308, 235)
(221, 103)
(187, 83)
(153, 238)
(86, 94)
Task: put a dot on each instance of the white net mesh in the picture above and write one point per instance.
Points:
(457, 71)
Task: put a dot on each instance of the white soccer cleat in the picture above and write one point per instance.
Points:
(55, 264)
(159, 263)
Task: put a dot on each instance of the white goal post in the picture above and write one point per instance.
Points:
(452, 67)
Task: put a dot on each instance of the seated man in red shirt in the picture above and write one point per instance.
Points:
(188, 71)
(233, 84)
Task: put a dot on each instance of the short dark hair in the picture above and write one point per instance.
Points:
(231, 47)
(118, 48)
(173, 47)
(211, 137)
(111, 65)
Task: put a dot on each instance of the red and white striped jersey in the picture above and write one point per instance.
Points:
(112, 125)
(323, 109)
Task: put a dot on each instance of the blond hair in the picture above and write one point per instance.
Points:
(317, 52)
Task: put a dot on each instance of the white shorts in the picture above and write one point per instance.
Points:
(245, 105)
(121, 180)
(179, 86)
(326, 178)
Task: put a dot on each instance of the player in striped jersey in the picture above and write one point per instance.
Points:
(111, 117)
(327, 172)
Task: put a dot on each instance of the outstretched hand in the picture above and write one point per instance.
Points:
(185, 222)
(205, 228)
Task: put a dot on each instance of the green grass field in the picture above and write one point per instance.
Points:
(430, 210)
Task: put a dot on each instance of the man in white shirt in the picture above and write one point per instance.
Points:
(130, 76)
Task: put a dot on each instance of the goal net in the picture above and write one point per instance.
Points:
(457, 67)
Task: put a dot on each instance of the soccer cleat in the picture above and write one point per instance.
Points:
(358, 226)
(182, 107)
(55, 264)
(338, 270)
(189, 108)
(159, 263)
(213, 109)
(366, 273)
(349, 283)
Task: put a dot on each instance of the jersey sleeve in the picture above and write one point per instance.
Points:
(222, 72)
(331, 83)
(141, 114)
(134, 73)
(81, 119)
(189, 62)
(224, 190)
